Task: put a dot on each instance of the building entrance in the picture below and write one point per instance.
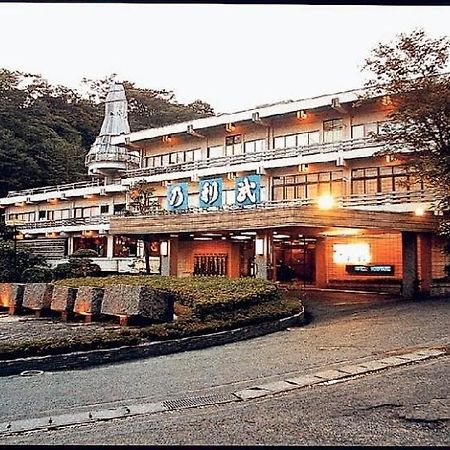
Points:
(295, 260)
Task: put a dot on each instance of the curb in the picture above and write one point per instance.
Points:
(83, 359)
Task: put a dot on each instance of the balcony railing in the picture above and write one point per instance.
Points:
(353, 201)
(63, 187)
(113, 157)
(268, 155)
(79, 221)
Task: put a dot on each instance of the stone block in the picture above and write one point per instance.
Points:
(11, 295)
(63, 299)
(37, 296)
(88, 300)
(138, 301)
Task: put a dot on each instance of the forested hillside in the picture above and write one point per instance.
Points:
(46, 130)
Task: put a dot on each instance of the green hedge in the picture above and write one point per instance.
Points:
(207, 296)
(254, 314)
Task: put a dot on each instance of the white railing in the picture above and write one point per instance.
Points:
(268, 155)
(79, 221)
(114, 157)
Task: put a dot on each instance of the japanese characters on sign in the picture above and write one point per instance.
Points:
(210, 193)
(177, 197)
(248, 190)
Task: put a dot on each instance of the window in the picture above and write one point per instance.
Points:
(104, 209)
(297, 140)
(308, 186)
(124, 246)
(50, 215)
(233, 145)
(254, 146)
(365, 130)
(42, 215)
(332, 130)
(215, 151)
(119, 207)
(383, 179)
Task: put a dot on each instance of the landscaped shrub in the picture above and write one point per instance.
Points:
(37, 274)
(79, 265)
(210, 296)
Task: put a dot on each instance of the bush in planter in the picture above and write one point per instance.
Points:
(37, 274)
(79, 265)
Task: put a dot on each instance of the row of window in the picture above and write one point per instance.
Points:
(234, 145)
(77, 213)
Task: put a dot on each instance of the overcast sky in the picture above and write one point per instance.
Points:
(231, 56)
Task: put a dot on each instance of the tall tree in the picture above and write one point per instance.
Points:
(411, 71)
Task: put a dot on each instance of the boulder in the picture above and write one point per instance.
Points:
(63, 299)
(37, 296)
(11, 296)
(88, 300)
(138, 301)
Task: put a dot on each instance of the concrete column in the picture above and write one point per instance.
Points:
(169, 262)
(263, 242)
(409, 257)
(109, 246)
(321, 263)
(69, 245)
(425, 274)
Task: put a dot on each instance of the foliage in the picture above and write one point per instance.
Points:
(207, 296)
(14, 263)
(37, 274)
(410, 71)
(142, 198)
(185, 327)
(79, 265)
(46, 130)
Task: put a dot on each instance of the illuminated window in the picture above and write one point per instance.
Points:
(332, 130)
(351, 253)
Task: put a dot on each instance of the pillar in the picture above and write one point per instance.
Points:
(321, 263)
(169, 262)
(70, 245)
(409, 259)
(262, 254)
(109, 246)
(425, 274)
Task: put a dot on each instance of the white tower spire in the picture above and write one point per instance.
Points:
(104, 158)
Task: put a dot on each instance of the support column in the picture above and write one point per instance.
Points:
(109, 246)
(69, 245)
(409, 257)
(169, 262)
(425, 274)
(321, 263)
(262, 254)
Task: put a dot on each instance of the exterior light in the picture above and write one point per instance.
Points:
(19, 204)
(303, 167)
(325, 202)
(230, 127)
(231, 175)
(301, 115)
(52, 200)
(419, 211)
(259, 246)
(164, 248)
(166, 139)
(390, 158)
(386, 100)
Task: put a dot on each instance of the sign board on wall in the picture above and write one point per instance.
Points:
(248, 190)
(210, 193)
(385, 269)
(177, 197)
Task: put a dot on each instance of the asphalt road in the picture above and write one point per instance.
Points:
(351, 336)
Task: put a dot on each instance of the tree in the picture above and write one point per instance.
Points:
(410, 73)
(142, 198)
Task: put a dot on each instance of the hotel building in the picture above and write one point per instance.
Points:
(294, 191)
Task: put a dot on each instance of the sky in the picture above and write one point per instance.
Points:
(234, 57)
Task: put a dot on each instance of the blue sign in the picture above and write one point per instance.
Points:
(248, 190)
(210, 193)
(177, 197)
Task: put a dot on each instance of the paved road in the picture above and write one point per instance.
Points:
(403, 406)
(350, 336)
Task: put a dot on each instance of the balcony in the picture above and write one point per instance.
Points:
(63, 187)
(268, 155)
(349, 212)
(73, 222)
(121, 157)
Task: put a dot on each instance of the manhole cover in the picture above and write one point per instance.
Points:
(31, 373)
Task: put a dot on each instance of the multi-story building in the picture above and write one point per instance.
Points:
(290, 191)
